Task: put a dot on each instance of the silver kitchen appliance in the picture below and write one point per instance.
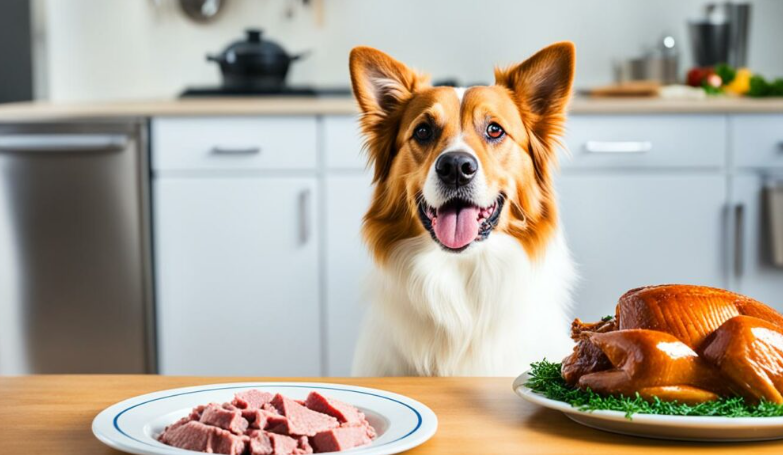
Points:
(75, 279)
(721, 36)
(660, 64)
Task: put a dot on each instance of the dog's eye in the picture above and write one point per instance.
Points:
(494, 131)
(423, 133)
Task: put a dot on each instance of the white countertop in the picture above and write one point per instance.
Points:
(45, 111)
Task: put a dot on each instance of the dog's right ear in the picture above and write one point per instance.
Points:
(380, 83)
(382, 86)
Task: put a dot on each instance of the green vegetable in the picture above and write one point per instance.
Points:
(710, 89)
(760, 87)
(726, 73)
(607, 318)
(545, 379)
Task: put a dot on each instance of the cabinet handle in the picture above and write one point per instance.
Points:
(618, 146)
(739, 239)
(235, 151)
(304, 216)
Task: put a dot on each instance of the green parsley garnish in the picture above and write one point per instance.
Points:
(545, 379)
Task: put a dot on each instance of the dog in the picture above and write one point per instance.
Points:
(473, 275)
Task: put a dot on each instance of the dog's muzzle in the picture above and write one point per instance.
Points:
(458, 223)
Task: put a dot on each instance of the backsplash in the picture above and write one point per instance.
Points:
(95, 49)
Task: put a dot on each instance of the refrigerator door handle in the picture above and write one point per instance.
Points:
(63, 142)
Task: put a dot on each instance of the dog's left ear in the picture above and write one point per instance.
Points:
(542, 88)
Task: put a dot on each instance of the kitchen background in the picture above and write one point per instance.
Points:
(214, 231)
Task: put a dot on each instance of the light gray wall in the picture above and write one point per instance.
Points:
(100, 49)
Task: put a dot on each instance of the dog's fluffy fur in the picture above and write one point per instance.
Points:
(493, 305)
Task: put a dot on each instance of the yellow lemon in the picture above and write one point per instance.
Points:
(741, 83)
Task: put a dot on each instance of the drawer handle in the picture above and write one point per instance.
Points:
(304, 216)
(236, 151)
(618, 146)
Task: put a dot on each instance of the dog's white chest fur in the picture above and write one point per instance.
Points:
(489, 311)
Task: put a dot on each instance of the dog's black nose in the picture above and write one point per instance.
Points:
(456, 168)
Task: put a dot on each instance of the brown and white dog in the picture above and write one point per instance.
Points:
(473, 275)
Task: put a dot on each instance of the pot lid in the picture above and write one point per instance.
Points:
(254, 47)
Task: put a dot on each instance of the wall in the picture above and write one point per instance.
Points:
(100, 49)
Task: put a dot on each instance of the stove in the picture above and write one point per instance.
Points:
(294, 91)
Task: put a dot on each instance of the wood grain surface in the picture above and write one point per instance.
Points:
(53, 415)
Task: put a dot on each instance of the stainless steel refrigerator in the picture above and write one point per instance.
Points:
(75, 281)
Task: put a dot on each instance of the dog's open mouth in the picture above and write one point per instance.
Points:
(458, 223)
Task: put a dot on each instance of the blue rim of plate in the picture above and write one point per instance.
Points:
(275, 385)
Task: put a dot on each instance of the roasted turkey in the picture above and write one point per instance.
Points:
(680, 342)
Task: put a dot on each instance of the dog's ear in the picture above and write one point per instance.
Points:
(542, 88)
(380, 83)
(382, 86)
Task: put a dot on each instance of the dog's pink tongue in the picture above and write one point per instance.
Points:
(457, 227)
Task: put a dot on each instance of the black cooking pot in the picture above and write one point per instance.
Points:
(254, 63)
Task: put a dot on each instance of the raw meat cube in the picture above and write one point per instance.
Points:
(263, 419)
(195, 414)
(230, 420)
(251, 399)
(199, 437)
(343, 438)
(260, 444)
(304, 445)
(190, 436)
(300, 421)
(266, 443)
(222, 441)
(365, 425)
(343, 412)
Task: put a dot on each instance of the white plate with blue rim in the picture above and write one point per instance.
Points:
(681, 428)
(133, 425)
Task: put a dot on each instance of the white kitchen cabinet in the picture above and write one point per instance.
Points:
(343, 143)
(348, 264)
(754, 273)
(234, 143)
(645, 141)
(237, 275)
(630, 229)
(757, 141)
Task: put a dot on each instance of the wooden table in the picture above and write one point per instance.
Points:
(53, 415)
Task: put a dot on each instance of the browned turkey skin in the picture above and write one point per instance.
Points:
(680, 342)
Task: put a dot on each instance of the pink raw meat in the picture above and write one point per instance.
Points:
(343, 438)
(226, 419)
(251, 399)
(203, 438)
(264, 419)
(300, 421)
(266, 443)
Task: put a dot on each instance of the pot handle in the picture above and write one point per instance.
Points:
(301, 55)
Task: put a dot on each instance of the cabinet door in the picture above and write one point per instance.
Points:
(637, 229)
(347, 266)
(237, 276)
(754, 273)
